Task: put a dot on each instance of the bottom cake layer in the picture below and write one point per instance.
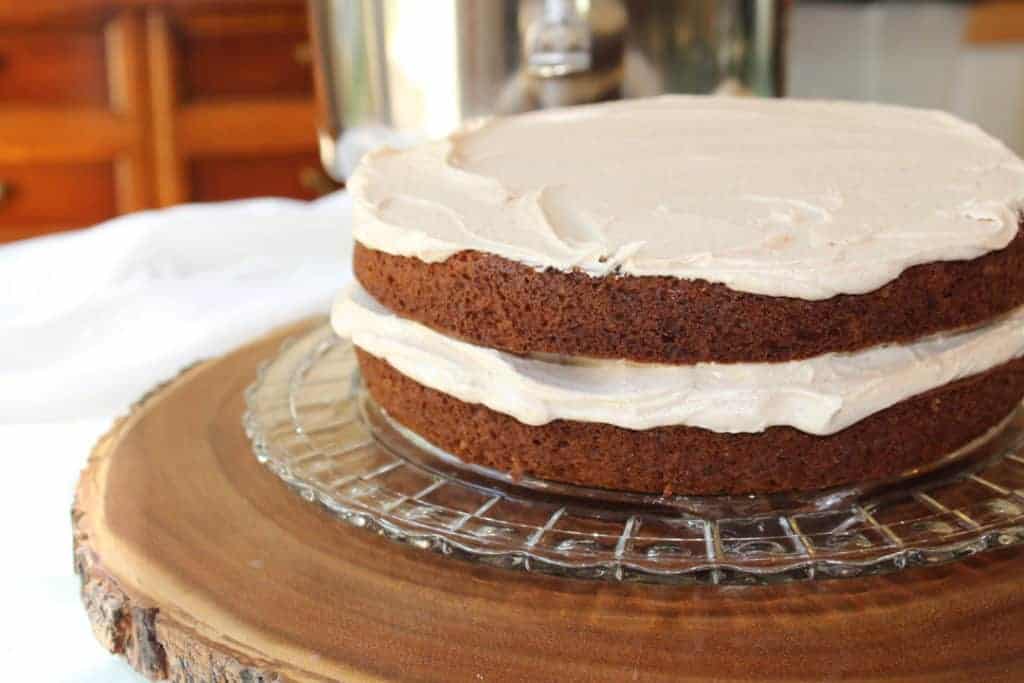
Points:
(691, 460)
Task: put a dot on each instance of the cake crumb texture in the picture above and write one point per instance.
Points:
(697, 461)
(494, 302)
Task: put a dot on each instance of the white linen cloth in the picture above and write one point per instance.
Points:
(89, 321)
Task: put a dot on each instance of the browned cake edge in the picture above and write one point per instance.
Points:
(692, 460)
(491, 301)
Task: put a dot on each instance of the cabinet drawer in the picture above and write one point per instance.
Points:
(252, 53)
(288, 175)
(38, 198)
(53, 66)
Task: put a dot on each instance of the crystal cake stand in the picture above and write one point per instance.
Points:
(312, 423)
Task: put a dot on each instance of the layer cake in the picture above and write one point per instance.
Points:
(694, 295)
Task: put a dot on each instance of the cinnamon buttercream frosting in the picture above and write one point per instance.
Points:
(792, 198)
(820, 395)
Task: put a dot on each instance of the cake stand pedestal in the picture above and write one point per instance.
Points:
(198, 564)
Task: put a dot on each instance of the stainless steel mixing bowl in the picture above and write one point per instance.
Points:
(396, 71)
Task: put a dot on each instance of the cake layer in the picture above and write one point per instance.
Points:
(495, 302)
(785, 198)
(820, 395)
(908, 435)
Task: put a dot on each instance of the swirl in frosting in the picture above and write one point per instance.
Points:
(792, 198)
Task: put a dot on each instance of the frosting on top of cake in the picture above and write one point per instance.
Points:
(820, 395)
(793, 198)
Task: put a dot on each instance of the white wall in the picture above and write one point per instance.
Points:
(907, 53)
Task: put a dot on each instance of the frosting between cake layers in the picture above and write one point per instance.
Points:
(793, 198)
(820, 395)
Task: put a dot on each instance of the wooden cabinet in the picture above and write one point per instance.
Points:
(46, 66)
(113, 106)
(286, 174)
(35, 197)
(241, 53)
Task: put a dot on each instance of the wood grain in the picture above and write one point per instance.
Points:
(232, 54)
(152, 89)
(52, 67)
(225, 86)
(20, 13)
(45, 135)
(87, 192)
(162, 59)
(128, 97)
(75, 99)
(199, 565)
(227, 128)
(287, 175)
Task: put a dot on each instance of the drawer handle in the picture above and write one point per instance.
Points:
(6, 189)
(316, 181)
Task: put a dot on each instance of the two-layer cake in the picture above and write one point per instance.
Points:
(694, 295)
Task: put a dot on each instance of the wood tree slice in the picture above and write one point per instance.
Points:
(197, 564)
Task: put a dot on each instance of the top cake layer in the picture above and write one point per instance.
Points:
(784, 198)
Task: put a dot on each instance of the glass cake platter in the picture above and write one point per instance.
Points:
(313, 424)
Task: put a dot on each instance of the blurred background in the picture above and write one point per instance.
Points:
(112, 106)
